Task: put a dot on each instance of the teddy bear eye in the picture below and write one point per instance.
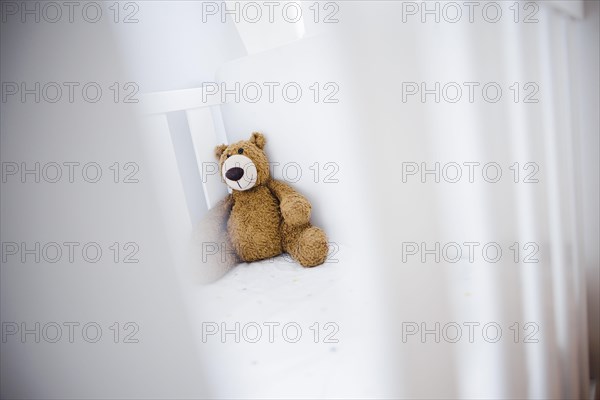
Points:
(240, 151)
(228, 155)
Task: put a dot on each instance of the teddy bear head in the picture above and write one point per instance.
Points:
(244, 164)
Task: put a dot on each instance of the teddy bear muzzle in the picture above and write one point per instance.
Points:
(239, 172)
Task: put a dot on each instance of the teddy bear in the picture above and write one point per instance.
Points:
(263, 217)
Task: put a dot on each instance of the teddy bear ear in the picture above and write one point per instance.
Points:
(258, 139)
(219, 150)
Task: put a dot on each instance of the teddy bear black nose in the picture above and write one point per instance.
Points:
(234, 174)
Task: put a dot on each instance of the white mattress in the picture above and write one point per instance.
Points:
(281, 291)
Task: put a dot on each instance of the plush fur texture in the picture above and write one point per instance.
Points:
(270, 218)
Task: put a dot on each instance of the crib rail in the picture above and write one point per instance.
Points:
(189, 123)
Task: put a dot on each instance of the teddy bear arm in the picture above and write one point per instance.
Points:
(219, 214)
(212, 230)
(294, 207)
(224, 206)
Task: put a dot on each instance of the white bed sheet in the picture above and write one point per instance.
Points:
(280, 291)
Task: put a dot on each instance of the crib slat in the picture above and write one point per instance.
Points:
(205, 138)
(171, 194)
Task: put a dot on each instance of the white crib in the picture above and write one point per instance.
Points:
(182, 128)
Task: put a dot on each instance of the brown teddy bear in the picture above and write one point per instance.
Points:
(264, 218)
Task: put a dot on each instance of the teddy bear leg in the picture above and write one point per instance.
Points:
(307, 245)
